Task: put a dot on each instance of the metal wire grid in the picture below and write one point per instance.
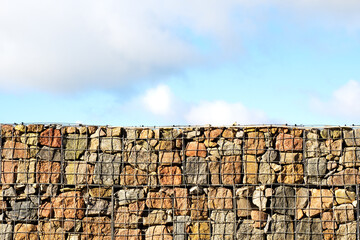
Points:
(86, 182)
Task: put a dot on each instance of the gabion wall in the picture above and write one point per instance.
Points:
(264, 182)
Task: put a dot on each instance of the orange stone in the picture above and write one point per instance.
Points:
(69, 205)
(195, 149)
(287, 142)
(51, 137)
(169, 175)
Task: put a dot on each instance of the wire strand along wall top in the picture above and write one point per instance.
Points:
(203, 182)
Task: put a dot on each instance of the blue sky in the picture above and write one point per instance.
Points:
(156, 62)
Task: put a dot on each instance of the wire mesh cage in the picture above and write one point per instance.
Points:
(193, 182)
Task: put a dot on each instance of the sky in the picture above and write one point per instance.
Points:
(180, 62)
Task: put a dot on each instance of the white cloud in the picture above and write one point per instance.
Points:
(344, 102)
(159, 100)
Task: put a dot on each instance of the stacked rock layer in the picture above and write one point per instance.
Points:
(263, 182)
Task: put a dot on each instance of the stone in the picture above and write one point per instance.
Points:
(143, 159)
(213, 133)
(214, 168)
(266, 173)
(228, 133)
(49, 230)
(302, 199)
(107, 170)
(316, 148)
(147, 134)
(94, 145)
(8, 171)
(110, 144)
(335, 147)
(50, 137)
(227, 148)
(97, 207)
(347, 231)
(126, 196)
(290, 157)
(200, 231)
(130, 176)
(284, 201)
(328, 221)
(348, 176)
(196, 171)
(315, 170)
(344, 213)
(26, 171)
(30, 139)
(46, 210)
(351, 157)
(320, 200)
(100, 192)
(291, 174)
(69, 205)
(281, 228)
(255, 143)
(169, 158)
(77, 173)
(96, 228)
(114, 131)
(181, 226)
(165, 145)
(156, 217)
(352, 137)
(199, 207)
(48, 172)
(159, 200)
(128, 234)
(288, 143)
(259, 218)
(14, 150)
(23, 210)
(99, 132)
(344, 196)
(231, 170)
(210, 144)
(244, 207)
(6, 231)
(181, 201)
(159, 232)
(75, 146)
(250, 169)
(169, 175)
(195, 149)
(35, 128)
(129, 217)
(46, 153)
(247, 231)
(220, 198)
(309, 229)
(25, 231)
(259, 199)
(223, 224)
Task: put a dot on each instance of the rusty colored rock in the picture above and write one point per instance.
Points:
(169, 175)
(46, 210)
(15, 150)
(220, 198)
(328, 221)
(69, 205)
(50, 137)
(159, 200)
(35, 128)
(255, 143)
(130, 176)
(344, 213)
(48, 172)
(24, 231)
(195, 149)
(128, 234)
(259, 218)
(287, 142)
(291, 174)
(159, 232)
(96, 228)
(169, 158)
(199, 207)
(213, 133)
(8, 171)
(349, 176)
(129, 217)
(181, 201)
(231, 170)
(250, 169)
(320, 200)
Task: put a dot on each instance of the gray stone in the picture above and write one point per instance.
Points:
(281, 228)
(107, 170)
(95, 206)
(223, 225)
(127, 196)
(270, 156)
(315, 169)
(228, 148)
(259, 198)
(180, 225)
(309, 229)
(196, 171)
(23, 210)
(75, 145)
(6, 231)
(46, 153)
(347, 231)
(247, 231)
(315, 148)
(283, 200)
(9, 192)
(111, 144)
(266, 173)
(143, 159)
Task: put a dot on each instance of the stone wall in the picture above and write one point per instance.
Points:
(265, 182)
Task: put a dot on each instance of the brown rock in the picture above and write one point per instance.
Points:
(159, 200)
(195, 149)
(351, 157)
(214, 168)
(259, 218)
(352, 137)
(128, 234)
(320, 200)
(130, 176)
(45, 210)
(255, 143)
(156, 217)
(335, 147)
(244, 207)
(69, 205)
(3, 206)
(24, 231)
(96, 228)
(26, 171)
(220, 198)
(50, 137)
(50, 230)
(290, 158)
(169, 158)
(344, 196)
(349, 176)
(159, 232)
(15, 150)
(287, 142)
(329, 234)
(100, 192)
(48, 172)
(228, 133)
(165, 145)
(250, 169)
(181, 201)
(79, 173)
(169, 175)
(200, 231)
(199, 207)
(328, 221)
(291, 174)
(344, 213)
(213, 134)
(147, 134)
(113, 131)
(231, 170)
(8, 171)
(36, 128)
(129, 217)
